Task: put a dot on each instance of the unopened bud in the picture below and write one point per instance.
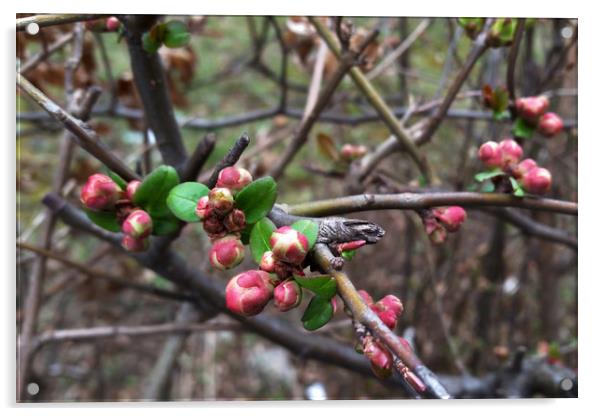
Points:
(131, 189)
(138, 224)
(451, 217)
(221, 200)
(530, 108)
(389, 310)
(203, 209)
(134, 245)
(537, 181)
(351, 152)
(100, 193)
(380, 357)
(550, 124)
(268, 263)
(235, 221)
(511, 152)
(112, 24)
(247, 293)
(287, 295)
(351, 245)
(233, 178)
(214, 227)
(490, 154)
(366, 297)
(226, 253)
(523, 168)
(289, 245)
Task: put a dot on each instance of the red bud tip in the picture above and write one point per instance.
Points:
(233, 178)
(351, 152)
(335, 304)
(289, 245)
(511, 152)
(530, 108)
(138, 224)
(131, 189)
(523, 168)
(490, 154)
(247, 293)
(100, 193)
(287, 295)
(451, 217)
(414, 381)
(380, 357)
(202, 209)
(537, 181)
(550, 124)
(366, 297)
(221, 200)
(112, 24)
(134, 245)
(268, 263)
(351, 245)
(226, 253)
(389, 310)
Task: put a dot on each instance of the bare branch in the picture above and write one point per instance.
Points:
(44, 20)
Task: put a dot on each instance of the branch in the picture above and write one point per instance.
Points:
(513, 55)
(195, 162)
(85, 137)
(151, 84)
(371, 202)
(44, 20)
(230, 159)
(45, 53)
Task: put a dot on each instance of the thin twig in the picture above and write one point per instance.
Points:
(512, 56)
(230, 159)
(43, 20)
(44, 54)
(195, 162)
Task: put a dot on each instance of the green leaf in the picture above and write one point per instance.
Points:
(152, 193)
(517, 189)
(165, 225)
(309, 229)
(324, 286)
(488, 187)
(318, 313)
(260, 238)
(176, 34)
(257, 199)
(183, 199)
(106, 220)
(245, 235)
(522, 129)
(348, 254)
(118, 180)
(482, 176)
(149, 43)
(501, 115)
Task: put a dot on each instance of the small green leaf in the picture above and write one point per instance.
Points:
(501, 115)
(245, 235)
(482, 176)
(149, 44)
(324, 286)
(152, 193)
(260, 238)
(517, 189)
(522, 129)
(318, 313)
(183, 198)
(176, 34)
(257, 199)
(488, 187)
(309, 229)
(118, 180)
(165, 225)
(106, 220)
(348, 254)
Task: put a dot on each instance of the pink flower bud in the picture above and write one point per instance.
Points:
(134, 245)
(389, 310)
(511, 152)
(131, 189)
(490, 154)
(268, 263)
(537, 181)
(100, 193)
(289, 245)
(203, 209)
(523, 168)
(138, 224)
(233, 178)
(247, 293)
(235, 221)
(366, 297)
(451, 217)
(214, 227)
(226, 253)
(380, 357)
(530, 108)
(351, 152)
(287, 295)
(112, 24)
(550, 124)
(221, 200)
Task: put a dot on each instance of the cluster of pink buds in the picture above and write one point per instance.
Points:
(438, 222)
(222, 221)
(101, 193)
(278, 267)
(533, 111)
(388, 309)
(350, 152)
(506, 156)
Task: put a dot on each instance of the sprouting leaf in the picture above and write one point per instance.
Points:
(183, 198)
(176, 34)
(522, 129)
(257, 199)
(309, 229)
(482, 176)
(517, 189)
(260, 238)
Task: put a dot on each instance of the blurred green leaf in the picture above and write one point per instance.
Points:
(176, 34)
(318, 313)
